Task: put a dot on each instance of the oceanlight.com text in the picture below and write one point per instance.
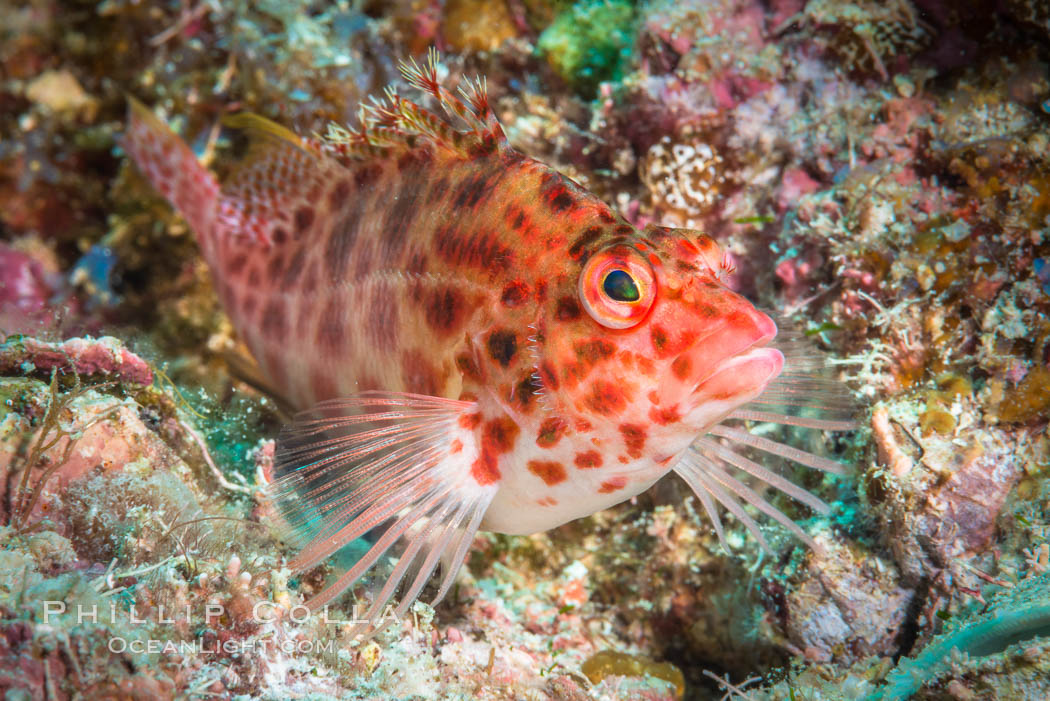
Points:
(230, 647)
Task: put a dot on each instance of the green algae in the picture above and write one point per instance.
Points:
(1020, 615)
(590, 42)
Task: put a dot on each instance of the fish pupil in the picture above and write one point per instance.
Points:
(620, 287)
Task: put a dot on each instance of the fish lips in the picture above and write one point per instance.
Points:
(742, 377)
(735, 381)
(729, 367)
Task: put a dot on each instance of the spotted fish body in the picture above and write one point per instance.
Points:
(486, 343)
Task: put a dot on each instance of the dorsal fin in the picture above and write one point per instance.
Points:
(279, 172)
(392, 121)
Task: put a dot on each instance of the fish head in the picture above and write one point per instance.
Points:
(661, 341)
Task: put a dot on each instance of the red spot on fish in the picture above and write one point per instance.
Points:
(547, 501)
(304, 219)
(479, 249)
(502, 346)
(568, 309)
(606, 398)
(551, 473)
(415, 158)
(497, 438)
(687, 248)
(559, 199)
(468, 365)
(658, 337)
(551, 431)
(455, 446)
(681, 366)
(337, 197)
(588, 460)
(668, 343)
(633, 438)
(665, 416)
(445, 310)
(706, 310)
(514, 294)
(555, 193)
(577, 249)
(573, 372)
(645, 365)
(470, 421)
(593, 350)
(472, 191)
(583, 426)
(236, 264)
(366, 174)
(613, 485)
(518, 220)
(417, 263)
(524, 392)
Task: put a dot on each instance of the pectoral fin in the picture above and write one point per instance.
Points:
(393, 465)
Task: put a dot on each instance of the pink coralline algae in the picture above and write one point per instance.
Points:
(86, 356)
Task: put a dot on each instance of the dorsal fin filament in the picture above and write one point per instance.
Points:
(392, 121)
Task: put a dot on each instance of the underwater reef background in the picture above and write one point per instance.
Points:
(880, 172)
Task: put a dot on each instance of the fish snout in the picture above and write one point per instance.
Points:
(731, 364)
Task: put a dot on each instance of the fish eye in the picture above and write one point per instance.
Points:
(620, 286)
(617, 287)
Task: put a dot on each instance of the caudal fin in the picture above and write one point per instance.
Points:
(172, 168)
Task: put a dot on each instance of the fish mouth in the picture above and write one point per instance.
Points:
(736, 360)
(734, 382)
(741, 377)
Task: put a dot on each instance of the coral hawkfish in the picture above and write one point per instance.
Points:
(485, 343)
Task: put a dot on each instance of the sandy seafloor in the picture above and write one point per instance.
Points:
(880, 172)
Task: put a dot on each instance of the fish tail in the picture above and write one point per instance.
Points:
(172, 168)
